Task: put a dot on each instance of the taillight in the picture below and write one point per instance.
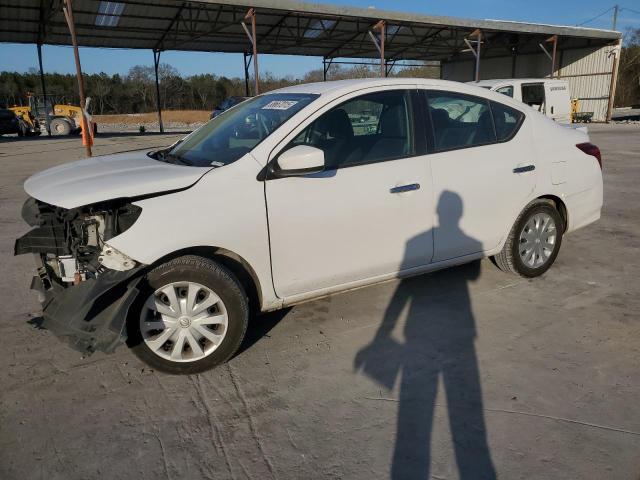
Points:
(591, 149)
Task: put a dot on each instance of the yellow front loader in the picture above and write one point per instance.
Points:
(59, 118)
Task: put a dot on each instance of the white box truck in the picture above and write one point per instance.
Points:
(546, 95)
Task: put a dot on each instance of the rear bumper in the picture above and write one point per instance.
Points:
(90, 316)
(584, 207)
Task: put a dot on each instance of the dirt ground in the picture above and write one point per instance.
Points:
(172, 121)
(464, 373)
(181, 116)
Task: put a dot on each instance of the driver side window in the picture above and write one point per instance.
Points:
(371, 128)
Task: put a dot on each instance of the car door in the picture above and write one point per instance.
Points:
(483, 171)
(558, 101)
(369, 213)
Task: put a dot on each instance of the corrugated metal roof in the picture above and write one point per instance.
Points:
(283, 27)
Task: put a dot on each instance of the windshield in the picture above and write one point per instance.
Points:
(237, 131)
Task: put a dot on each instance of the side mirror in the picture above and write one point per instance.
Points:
(300, 160)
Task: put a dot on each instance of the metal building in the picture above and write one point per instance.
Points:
(589, 67)
(466, 49)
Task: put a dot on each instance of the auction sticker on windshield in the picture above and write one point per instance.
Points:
(280, 105)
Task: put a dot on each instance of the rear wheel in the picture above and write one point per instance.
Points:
(192, 315)
(534, 241)
(60, 126)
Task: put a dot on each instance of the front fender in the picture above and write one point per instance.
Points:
(224, 210)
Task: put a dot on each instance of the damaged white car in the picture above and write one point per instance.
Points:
(294, 195)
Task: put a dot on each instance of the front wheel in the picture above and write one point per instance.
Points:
(192, 314)
(59, 126)
(534, 241)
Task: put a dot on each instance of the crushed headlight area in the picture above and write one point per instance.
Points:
(85, 286)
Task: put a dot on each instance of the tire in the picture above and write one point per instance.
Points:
(60, 126)
(515, 257)
(224, 321)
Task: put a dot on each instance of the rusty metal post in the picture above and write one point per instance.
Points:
(614, 80)
(251, 14)
(553, 39)
(156, 65)
(477, 33)
(68, 15)
(381, 26)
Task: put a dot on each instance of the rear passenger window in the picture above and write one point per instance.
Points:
(460, 121)
(507, 121)
(366, 129)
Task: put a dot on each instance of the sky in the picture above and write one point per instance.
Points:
(14, 57)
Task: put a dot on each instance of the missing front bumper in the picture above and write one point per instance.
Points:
(90, 316)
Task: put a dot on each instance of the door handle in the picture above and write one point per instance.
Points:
(526, 168)
(405, 188)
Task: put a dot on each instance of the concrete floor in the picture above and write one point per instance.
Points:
(316, 393)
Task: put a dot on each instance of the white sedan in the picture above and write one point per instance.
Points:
(296, 194)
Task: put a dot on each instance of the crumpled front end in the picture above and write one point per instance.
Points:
(86, 287)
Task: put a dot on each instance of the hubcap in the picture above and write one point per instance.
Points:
(183, 322)
(537, 240)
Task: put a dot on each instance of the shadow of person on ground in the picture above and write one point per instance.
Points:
(439, 336)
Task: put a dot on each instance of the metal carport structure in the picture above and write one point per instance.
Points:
(286, 27)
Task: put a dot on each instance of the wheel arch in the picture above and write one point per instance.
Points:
(560, 206)
(231, 260)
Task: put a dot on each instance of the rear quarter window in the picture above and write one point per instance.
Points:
(507, 121)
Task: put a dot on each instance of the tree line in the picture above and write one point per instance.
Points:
(628, 90)
(135, 92)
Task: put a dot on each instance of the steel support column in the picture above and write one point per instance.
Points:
(156, 66)
(554, 40)
(614, 79)
(477, 33)
(251, 15)
(68, 14)
(44, 90)
(551, 56)
(381, 26)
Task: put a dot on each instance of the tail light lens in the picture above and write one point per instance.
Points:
(591, 149)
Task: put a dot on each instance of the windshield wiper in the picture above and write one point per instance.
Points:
(168, 157)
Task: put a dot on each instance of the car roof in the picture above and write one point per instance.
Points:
(337, 87)
(499, 81)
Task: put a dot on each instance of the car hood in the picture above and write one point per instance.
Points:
(109, 177)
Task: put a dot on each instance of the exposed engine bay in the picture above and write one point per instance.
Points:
(86, 287)
(69, 244)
